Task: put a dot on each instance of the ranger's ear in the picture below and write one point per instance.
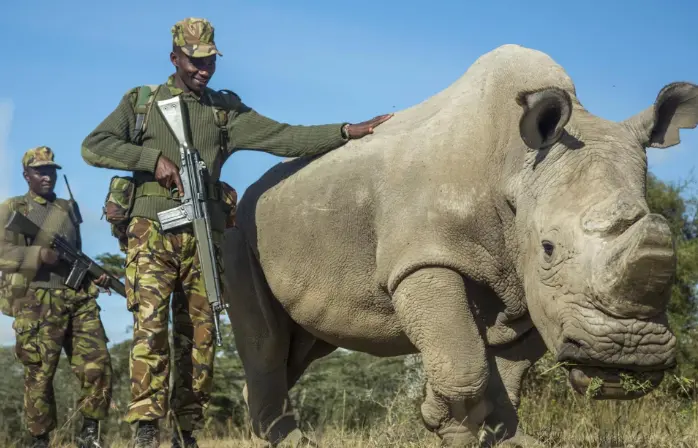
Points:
(676, 107)
(545, 114)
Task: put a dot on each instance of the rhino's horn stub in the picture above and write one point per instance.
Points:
(545, 114)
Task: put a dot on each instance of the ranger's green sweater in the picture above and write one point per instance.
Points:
(110, 144)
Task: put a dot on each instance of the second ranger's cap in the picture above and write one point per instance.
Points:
(39, 156)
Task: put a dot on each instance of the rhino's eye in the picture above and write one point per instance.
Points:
(548, 248)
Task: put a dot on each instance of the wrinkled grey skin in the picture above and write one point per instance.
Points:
(492, 222)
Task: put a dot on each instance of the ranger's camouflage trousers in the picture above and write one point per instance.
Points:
(46, 322)
(157, 265)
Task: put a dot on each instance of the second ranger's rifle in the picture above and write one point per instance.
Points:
(80, 264)
(194, 208)
(73, 204)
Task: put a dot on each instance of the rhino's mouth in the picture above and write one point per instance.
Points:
(615, 358)
(613, 378)
(613, 384)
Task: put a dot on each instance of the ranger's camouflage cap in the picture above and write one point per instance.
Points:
(39, 156)
(195, 37)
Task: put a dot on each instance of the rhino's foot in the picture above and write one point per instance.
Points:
(456, 423)
(296, 439)
(460, 439)
(523, 441)
(519, 440)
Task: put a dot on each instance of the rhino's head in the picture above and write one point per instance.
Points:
(596, 263)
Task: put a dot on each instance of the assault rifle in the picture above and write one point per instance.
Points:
(194, 208)
(80, 264)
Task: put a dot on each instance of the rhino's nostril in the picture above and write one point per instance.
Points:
(572, 342)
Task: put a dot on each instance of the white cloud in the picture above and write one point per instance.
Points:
(6, 115)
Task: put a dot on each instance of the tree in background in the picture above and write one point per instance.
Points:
(115, 264)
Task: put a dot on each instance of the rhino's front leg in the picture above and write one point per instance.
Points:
(436, 316)
(509, 365)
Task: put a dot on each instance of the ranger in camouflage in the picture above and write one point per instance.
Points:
(48, 317)
(160, 263)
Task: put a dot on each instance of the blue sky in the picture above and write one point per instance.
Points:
(313, 62)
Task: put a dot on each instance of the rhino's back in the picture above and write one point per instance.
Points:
(319, 221)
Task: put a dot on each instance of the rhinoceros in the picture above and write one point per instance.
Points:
(494, 221)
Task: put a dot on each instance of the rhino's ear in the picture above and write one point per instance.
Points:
(676, 107)
(545, 114)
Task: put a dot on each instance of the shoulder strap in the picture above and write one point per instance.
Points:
(144, 99)
(222, 102)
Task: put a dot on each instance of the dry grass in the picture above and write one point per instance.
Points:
(654, 421)
(605, 427)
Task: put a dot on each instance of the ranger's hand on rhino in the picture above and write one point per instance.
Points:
(359, 130)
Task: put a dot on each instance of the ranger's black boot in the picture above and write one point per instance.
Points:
(39, 441)
(147, 435)
(186, 441)
(89, 435)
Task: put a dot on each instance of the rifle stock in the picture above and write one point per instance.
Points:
(80, 264)
(194, 208)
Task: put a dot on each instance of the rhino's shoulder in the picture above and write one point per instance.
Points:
(274, 176)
